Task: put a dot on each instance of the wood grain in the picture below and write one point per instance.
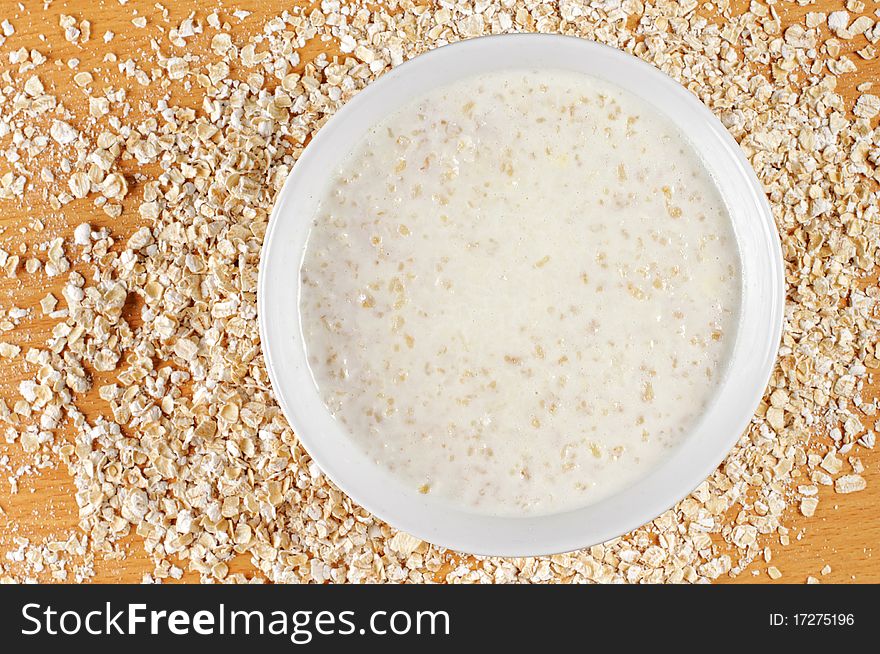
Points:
(842, 532)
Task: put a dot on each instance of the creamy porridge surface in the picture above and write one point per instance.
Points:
(519, 291)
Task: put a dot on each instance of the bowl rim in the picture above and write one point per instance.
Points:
(751, 360)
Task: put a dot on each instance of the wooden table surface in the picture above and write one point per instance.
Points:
(842, 533)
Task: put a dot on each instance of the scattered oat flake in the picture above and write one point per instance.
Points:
(809, 505)
(867, 106)
(850, 484)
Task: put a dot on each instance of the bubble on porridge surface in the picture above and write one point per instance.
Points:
(519, 291)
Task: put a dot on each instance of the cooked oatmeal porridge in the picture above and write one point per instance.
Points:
(519, 292)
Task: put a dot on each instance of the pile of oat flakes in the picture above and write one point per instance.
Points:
(195, 456)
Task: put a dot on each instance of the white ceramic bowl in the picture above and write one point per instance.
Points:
(752, 358)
